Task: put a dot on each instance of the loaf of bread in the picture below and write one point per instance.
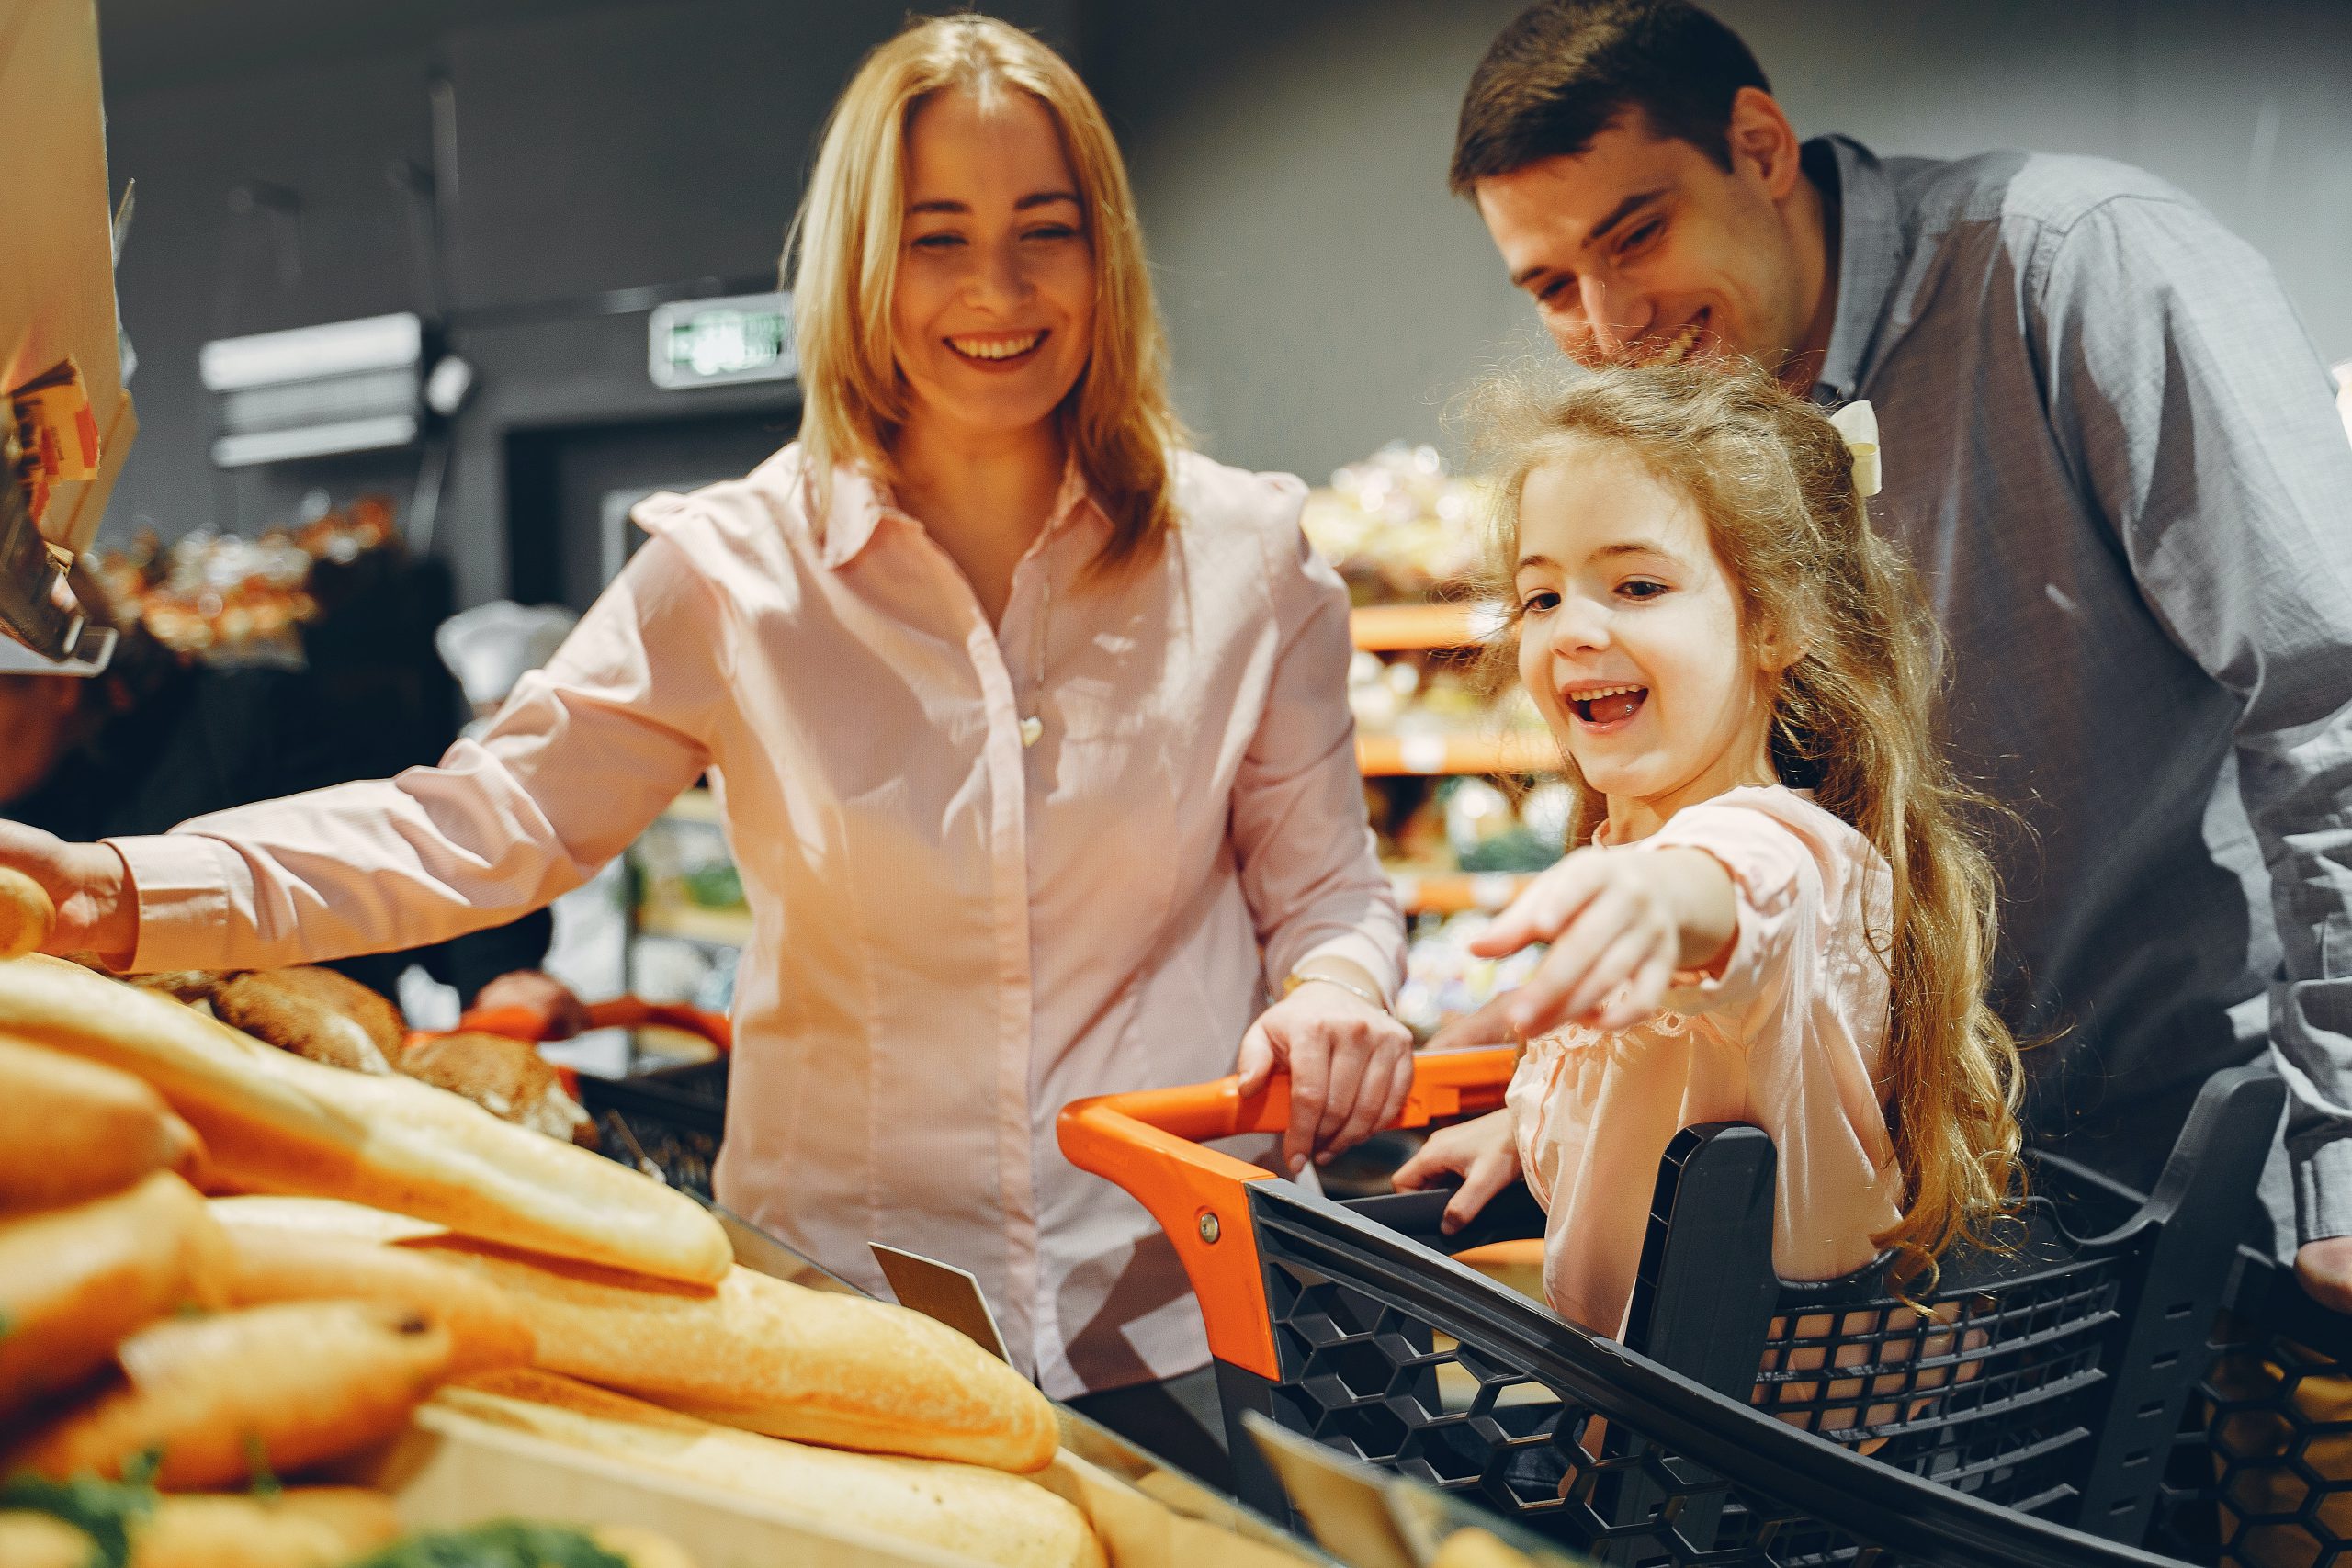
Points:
(775, 1358)
(316, 1013)
(756, 1352)
(270, 1263)
(506, 1077)
(276, 1123)
(72, 1130)
(74, 1280)
(225, 1398)
(27, 916)
(984, 1514)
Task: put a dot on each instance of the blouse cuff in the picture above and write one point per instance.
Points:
(1364, 953)
(188, 888)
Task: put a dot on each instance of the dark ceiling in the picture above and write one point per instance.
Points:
(150, 44)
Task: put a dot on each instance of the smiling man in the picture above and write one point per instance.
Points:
(2111, 454)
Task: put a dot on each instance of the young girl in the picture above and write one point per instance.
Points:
(1781, 918)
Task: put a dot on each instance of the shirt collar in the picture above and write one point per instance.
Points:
(1869, 256)
(861, 499)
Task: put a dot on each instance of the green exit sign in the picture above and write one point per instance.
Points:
(711, 342)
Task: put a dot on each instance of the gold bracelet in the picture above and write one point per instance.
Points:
(1297, 978)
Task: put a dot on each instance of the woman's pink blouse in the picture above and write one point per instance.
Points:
(990, 870)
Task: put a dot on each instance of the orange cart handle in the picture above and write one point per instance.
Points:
(1149, 1142)
(621, 1012)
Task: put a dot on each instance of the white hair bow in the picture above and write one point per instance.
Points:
(1857, 423)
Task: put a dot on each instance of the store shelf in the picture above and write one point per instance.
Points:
(1514, 751)
(1451, 892)
(1406, 628)
(724, 928)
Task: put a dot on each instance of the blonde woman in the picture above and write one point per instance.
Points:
(1028, 726)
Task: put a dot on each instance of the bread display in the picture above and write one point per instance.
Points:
(162, 1350)
(276, 1123)
(75, 1130)
(317, 1014)
(756, 1352)
(74, 1280)
(219, 1400)
(506, 1077)
(984, 1514)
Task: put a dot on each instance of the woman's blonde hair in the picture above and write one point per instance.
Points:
(1854, 718)
(841, 264)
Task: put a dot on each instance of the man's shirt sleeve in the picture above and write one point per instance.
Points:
(2189, 401)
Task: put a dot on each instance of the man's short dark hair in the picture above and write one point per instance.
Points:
(1565, 70)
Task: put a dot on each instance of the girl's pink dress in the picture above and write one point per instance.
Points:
(1787, 1037)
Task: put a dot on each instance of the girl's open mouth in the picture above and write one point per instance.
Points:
(1605, 708)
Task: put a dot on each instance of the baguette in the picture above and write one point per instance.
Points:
(27, 916)
(72, 1130)
(980, 1513)
(270, 1388)
(324, 1217)
(756, 1353)
(270, 1263)
(779, 1359)
(74, 1280)
(275, 1122)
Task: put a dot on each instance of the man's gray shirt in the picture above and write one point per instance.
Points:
(2113, 454)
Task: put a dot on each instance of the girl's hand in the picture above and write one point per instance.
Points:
(1483, 1152)
(1619, 924)
(97, 908)
(1351, 1068)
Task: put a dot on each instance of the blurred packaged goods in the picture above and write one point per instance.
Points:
(1397, 526)
(225, 599)
(1444, 979)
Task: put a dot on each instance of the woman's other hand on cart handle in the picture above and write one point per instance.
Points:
(97, 910)
(1483, 1151)
(541, 995)
(1350, 1068)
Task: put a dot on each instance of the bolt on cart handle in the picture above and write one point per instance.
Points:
(1149, 1142)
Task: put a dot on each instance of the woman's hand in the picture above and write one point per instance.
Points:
(540, 994)
(1621, 923)
(96, 909)
(1484, 1152)
(1351, 1068)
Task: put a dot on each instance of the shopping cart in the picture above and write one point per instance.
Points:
(2050, 1381)
(667, 1123)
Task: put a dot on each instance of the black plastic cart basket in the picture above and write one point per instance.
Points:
(2040, 1389)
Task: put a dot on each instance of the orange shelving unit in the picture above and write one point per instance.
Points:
(1512, 752)
(1411, 628)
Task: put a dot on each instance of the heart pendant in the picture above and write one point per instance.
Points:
(1031, 728)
